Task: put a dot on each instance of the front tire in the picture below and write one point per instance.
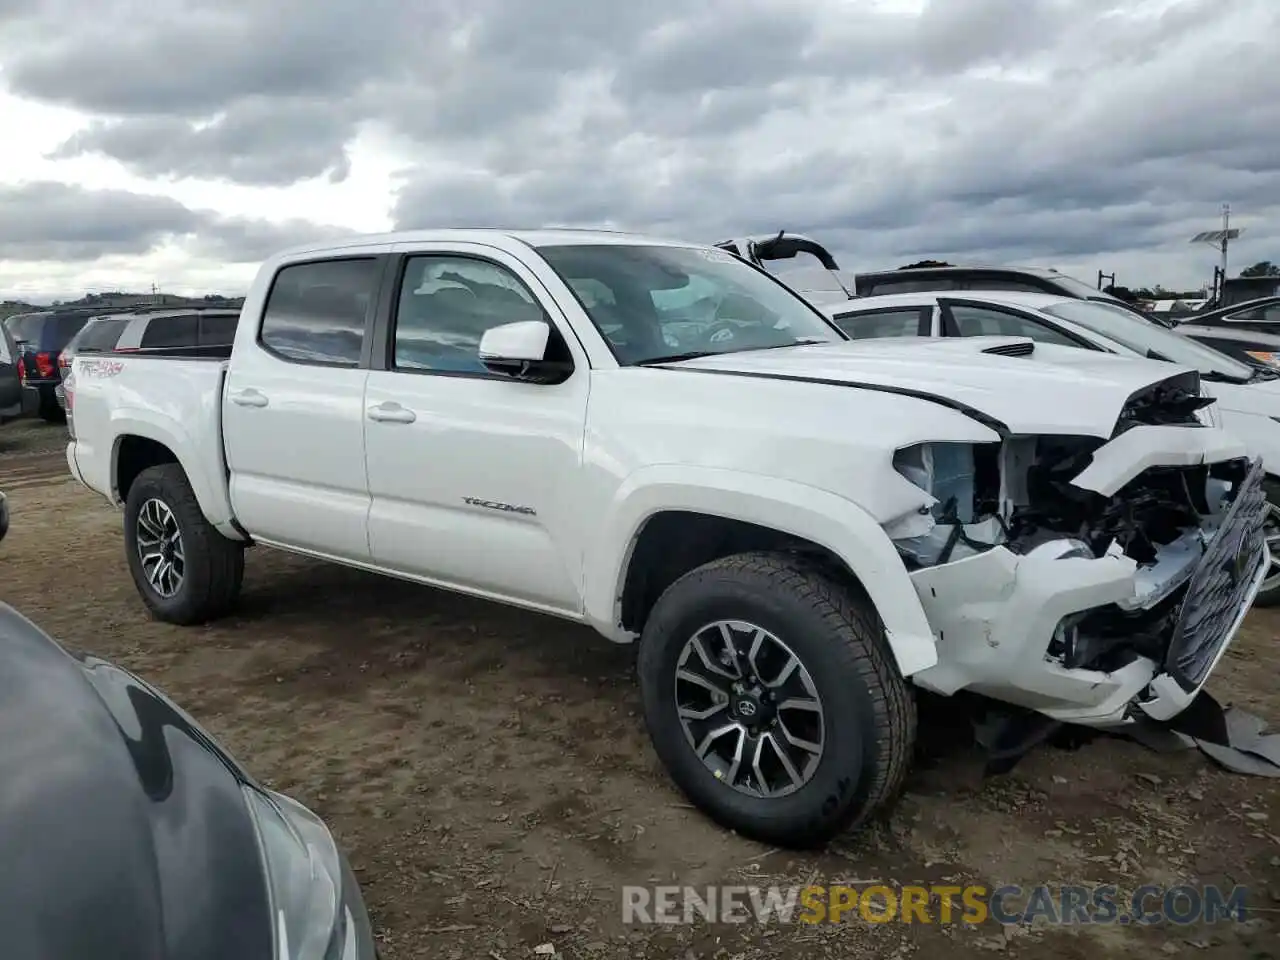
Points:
(185, 571)
(822, 743)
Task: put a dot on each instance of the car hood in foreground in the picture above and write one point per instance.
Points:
(125, 833)
(1050, 390)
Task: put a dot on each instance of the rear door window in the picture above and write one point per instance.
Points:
(890, 322)
(965, 320)
(317, 312)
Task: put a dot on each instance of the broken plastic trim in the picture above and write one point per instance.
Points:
(1174, 401)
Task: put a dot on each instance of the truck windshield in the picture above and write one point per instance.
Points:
(1125, 327)
(658, 303)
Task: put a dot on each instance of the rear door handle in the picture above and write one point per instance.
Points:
(391, 412)
(249, 397)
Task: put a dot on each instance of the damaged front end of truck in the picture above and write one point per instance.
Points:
(1087, 580)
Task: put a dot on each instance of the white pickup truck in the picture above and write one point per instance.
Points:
(661, 441)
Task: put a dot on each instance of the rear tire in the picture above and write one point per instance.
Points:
(207, 581)
(867, 709)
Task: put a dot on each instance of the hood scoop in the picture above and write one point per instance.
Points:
(1023, 348)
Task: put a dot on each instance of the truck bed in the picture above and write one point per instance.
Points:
(174, 400)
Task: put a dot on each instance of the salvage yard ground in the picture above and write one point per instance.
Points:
(488, 772)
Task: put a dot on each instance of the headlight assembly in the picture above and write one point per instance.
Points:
(964, 480)
(304, 880)
(944, 470)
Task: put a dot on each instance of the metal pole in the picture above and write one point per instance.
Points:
(1226, 233)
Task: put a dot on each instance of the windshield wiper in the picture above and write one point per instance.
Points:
(806, 342)
(677, 357)
(697, 354)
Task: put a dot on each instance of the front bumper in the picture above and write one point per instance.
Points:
(995, 614)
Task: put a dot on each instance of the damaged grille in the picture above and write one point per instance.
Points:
(1220, 585)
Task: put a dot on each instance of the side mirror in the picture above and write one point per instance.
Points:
(519, 350)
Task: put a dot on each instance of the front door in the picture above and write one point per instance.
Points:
(471, 473)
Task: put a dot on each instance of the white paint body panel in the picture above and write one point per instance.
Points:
(799, 440)
(1249, 411)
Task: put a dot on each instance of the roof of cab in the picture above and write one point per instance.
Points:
(510, 240)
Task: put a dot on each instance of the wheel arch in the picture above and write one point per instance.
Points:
(139, 444)
(666, 521)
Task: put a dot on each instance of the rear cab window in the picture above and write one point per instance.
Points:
(217, 330)
(317, 311)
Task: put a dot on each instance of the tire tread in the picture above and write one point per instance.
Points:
(863, 650)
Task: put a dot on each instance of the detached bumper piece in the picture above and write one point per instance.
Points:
(1220, 587)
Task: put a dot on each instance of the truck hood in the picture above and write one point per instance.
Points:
(1048, 390)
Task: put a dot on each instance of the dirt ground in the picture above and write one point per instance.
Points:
(487, 770)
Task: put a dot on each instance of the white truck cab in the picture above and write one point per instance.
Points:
(661, 441)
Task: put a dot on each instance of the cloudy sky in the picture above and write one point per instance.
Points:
(178, 141)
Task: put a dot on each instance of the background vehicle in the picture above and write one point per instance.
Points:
(654, 438)
(821, 285)
(174, 332)
(1238, 290)
(10, 380)
(1249, 331)
(4, 515)
(1248, 396)
(129, 832)
(40, 338)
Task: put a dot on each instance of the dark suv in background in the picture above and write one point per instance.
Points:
(171, 331)
(40, 339)
(10, 382)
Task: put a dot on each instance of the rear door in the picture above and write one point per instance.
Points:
(293, 408)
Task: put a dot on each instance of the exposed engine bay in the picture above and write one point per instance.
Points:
(1022, 494)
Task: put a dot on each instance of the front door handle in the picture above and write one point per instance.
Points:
(249, 397)
(391, 412)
